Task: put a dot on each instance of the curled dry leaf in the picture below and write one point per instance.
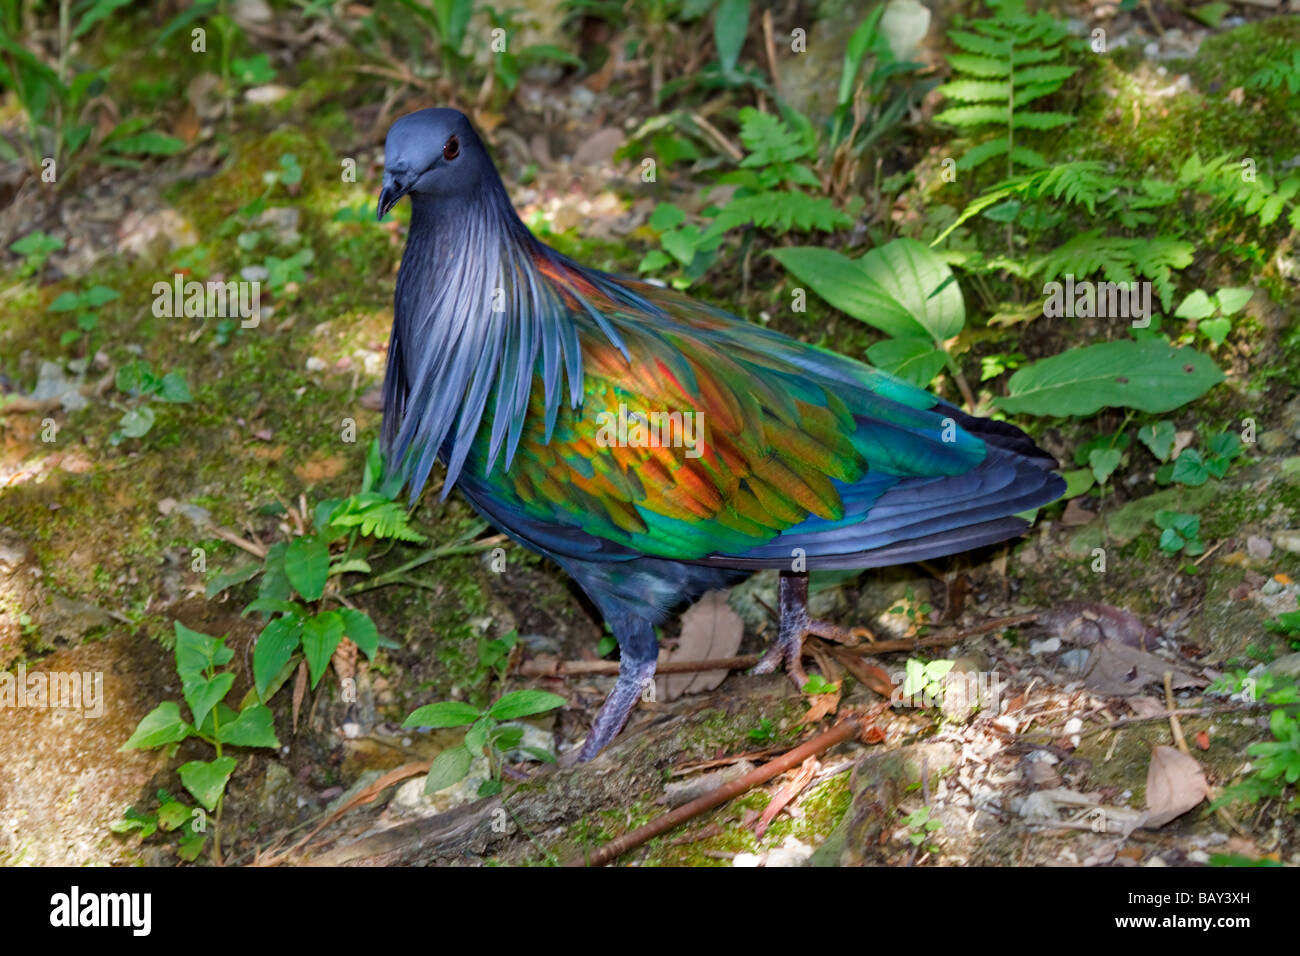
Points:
(1175, 784)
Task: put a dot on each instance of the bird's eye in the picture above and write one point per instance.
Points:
(452, 149)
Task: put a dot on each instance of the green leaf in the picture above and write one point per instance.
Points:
(1190, 469)
(320, 637)
(1198, 305)
(844, 284)
(916, 278)
(227, 579)
(1149, 376)
(65, 302)
(275, 645)
(206, 780)
(162, 725)
(448, 713)
(1159, 438)
(913, 359)
(1233, 300)
(174, 389)
(524, 703)
(1077, 482)
(537, 753)
(1103, 462)
(730, 24)
(448, 768)
(98, 11)
(150, 143)
(137, 422)
(197, 652)
(307, 565)
(98, 295)
(1216, 330)
(203, 694)
(361, 630)
(254, 727)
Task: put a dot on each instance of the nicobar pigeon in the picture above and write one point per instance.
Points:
(504, 354)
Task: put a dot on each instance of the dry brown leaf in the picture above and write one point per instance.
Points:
(1117, 670)
(821, 705)
(1175, 784)
(866, 671)
(710, 629)
(787, 793)
(299, 691)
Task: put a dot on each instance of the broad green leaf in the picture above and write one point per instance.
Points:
(1232, 300)
(320, 637)
(202, 694)
(361, 630)
(1198, 305)
(137, 422)
(730, 24)
(844, 284)
(913, 359)
(206, 780)
(914, 276)
(254, 727)
(524, 703)
(1159, 438)
(65, 302)
(162, 725)
(275, 645)
(196, 652)
(1149, 376)
(1103, 462)
(447, 713)
(1190, 469)
(307, 564)
(173, 389)
(448, 768)
(226, 579)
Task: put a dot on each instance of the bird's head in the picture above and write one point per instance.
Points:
(432, 152)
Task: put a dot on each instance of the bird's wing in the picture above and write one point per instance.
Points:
(752, 445)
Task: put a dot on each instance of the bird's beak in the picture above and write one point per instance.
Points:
(391, 192)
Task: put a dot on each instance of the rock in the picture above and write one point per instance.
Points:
(1049, 646)
(905, 23)
(140, 231)
(262, 95)
(1288, 665)
(282, 223)
(790, 853)
(1288, 540)
(1258, 548)
(69, 620)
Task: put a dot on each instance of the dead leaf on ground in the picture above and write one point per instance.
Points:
(787, 793)
(710, 629)
(1175, 784)
(1087, 622)
(1117, 670)
(866, 671)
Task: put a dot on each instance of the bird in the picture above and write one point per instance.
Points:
(654, 446)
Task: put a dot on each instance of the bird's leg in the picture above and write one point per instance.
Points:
(796, 625)
(638, 652)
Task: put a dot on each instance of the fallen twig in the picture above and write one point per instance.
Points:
(611, 851)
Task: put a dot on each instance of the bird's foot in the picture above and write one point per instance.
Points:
(633, 679)
(795, 626)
